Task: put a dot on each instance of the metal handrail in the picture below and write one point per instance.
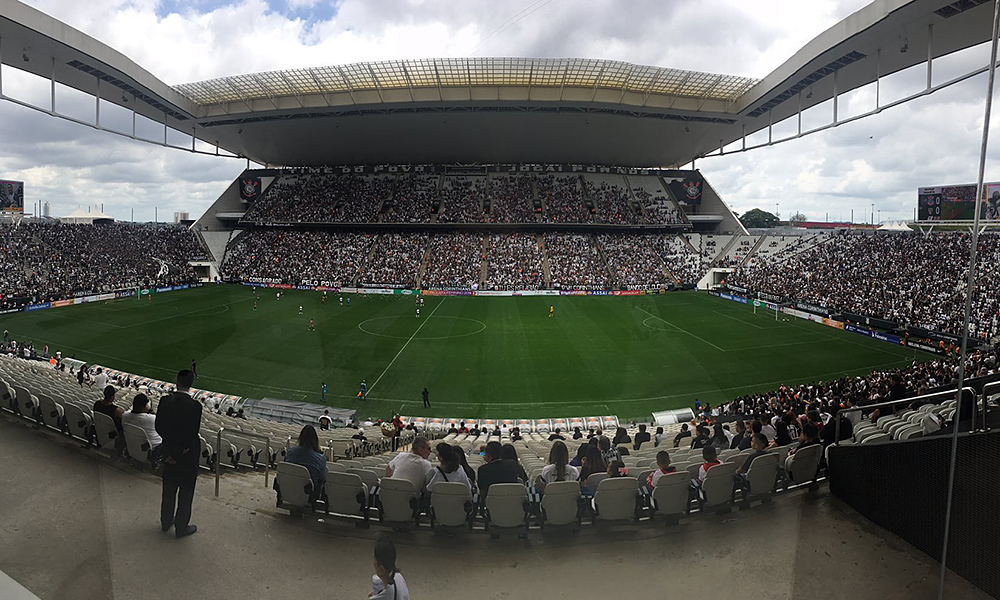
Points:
(943, 395)
(250, 434)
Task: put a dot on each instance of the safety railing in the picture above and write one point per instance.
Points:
(246, 434)
(935, 398)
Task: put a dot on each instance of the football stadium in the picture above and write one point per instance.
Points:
(490, 316)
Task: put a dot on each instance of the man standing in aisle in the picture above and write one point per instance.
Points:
(178, 419)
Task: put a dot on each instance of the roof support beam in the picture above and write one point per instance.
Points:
(646, 92)
(297, 95)
(267, 90)
(319, 86)
(378, 88)
(347, 82)
(597, 80)
(409, 82)
(437, 75)
(562, 85)
(930, 54)
(238, 94)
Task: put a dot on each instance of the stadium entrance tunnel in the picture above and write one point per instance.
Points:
(422, 328)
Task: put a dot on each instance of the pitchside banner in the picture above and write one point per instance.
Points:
(957, 202)
(11, 196)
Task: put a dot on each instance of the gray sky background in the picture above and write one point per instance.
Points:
(880, 160)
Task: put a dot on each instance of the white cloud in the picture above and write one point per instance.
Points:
(880, 159)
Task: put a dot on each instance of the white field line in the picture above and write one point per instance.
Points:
(387, 367)
(682, 330)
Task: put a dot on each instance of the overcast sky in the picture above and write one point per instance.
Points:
(880, 160)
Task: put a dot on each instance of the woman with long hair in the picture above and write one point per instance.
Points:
(580, 453)
(593, 462)
(559, 468)
(449, 469)
(508, 452)
(781, 437)
(719, 439)
(621, 437)
(469, 471)
(307, 454)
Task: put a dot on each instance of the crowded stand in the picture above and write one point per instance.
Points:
(300, 198)
(511, 199)
(455, 259)
(454, 262)
(411, 199)
(907, 278)
(677, 255)
(46, 261)
(293, 256)
(611, 202)
(820, 400)
(574, 262)
(562, 198)
(462, 200)
(362, 198)
(632, 262)
(515, 262)
(656, 206)
(399, 256)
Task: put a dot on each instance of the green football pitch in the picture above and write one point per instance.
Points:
(479, 357)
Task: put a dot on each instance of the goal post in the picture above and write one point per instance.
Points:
(766, 306)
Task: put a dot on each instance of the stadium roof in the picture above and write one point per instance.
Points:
(498, 110)
(412, 75)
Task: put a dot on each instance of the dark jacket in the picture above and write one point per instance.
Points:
(498, 471)
(641, 438)
(178, 419)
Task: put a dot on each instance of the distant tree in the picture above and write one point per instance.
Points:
(758, 218)
(798, 218)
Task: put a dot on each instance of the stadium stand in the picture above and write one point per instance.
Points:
(657, 207)
(411, 199)
(462, 200)
(455, 261)
(400, 256)
(515, 262)
(632, 261)
(562, 198)
(511, 199)
(357, 487)
(612, 201)
(574, 262)
(46, 261)
(907, 278)
(293, 256)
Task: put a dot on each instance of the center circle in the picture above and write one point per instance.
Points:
(645, 322)
(416, 323)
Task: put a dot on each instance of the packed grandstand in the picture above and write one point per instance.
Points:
(907, 279)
